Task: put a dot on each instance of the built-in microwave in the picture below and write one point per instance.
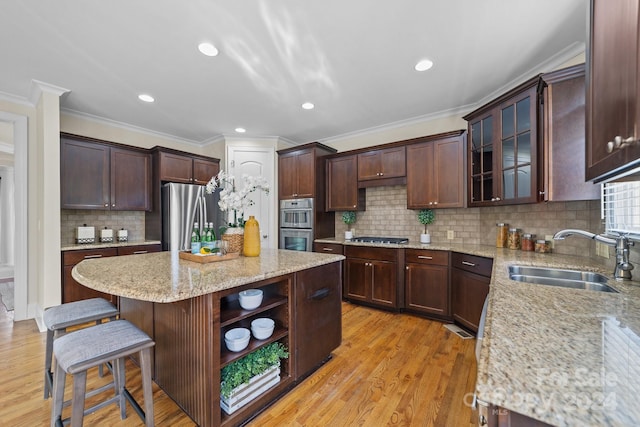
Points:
(296, 213)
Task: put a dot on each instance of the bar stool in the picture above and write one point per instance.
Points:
(78, 351)
(57, 319)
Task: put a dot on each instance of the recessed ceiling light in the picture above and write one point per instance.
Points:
(424, 65)
(146, 98)
(308, 106)
(207, 49)
(241, 130)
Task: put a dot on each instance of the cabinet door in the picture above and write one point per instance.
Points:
(357, 279)
(468, 291)
(130, 180)
(448, 176)
(369, 165)
(518, 149)
(420, 173)
(204, 170)
(427, 289)
(306, 174)
(482, 143)
(84, 175)
(342, 185)
(287, 176)
(384, 283)
(613, 89)
(176, 168)
(385, 163)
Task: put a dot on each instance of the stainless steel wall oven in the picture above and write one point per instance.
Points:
(296, 224)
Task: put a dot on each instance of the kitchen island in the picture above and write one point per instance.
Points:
(187, 307)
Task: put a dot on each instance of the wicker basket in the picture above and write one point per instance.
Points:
(235, 239)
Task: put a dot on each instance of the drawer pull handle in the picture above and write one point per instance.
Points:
(320, 294)
(92, 256)
(140, 252)
(425, 257)
(470, 264)
(327, 249)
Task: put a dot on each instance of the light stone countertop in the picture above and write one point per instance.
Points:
(164, 277)
(563, 356)
(98, 245)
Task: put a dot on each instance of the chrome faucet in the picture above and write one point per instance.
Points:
(621, 243)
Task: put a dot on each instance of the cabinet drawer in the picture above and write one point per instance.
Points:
(381, 254)
(328, 248)
(427, 257)
(74, 257)
(138, 249)
(474, 264)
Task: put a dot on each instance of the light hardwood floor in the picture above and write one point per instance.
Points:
(391, 369)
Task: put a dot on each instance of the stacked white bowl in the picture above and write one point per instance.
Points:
(262, 328)
(237, 339)
(250, 299)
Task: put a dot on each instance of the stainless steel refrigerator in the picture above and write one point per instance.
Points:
(182, 205)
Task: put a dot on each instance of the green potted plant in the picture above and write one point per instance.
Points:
(348, 217)
(426, 217)
(246, 378)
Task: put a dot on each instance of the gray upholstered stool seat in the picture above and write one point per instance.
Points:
(80, 350)
(57, 319)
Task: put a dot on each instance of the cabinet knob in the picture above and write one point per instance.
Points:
(407, 267)
(435, 203)
(354, 206)
(381, 173)
(541, 193)
(113, 205)
(430, 203)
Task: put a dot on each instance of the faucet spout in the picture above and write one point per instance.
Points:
(562, 234)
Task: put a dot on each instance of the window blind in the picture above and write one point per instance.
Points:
(621, 207)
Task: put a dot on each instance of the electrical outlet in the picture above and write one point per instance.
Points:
(602, 250)
(450, 234)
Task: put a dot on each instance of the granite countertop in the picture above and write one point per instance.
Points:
(164, 277)
(566, 357)
(78, 246)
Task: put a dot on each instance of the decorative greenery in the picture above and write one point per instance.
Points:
(426, 217)
(349, 217)
(242, 370)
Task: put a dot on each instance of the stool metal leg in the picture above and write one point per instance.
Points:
(145, 368)
(77, 407)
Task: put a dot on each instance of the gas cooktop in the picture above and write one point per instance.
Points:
(388, 240)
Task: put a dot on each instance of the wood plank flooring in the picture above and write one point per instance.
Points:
(391, 369)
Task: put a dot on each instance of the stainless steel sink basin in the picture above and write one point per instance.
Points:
(559, 277)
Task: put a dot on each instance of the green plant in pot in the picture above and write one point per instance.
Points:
(258, 362)
(426, 217)
(348, 217)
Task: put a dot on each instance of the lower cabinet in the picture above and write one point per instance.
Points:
(426, 279)
(372, 276)
(470, 278)
(74, 291)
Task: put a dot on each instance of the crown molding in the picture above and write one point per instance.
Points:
(15, 99)
(37, 88)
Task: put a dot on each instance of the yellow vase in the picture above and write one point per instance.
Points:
(251, 237)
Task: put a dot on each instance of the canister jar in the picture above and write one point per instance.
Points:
(543, 246)
(513, 239)
(528, 242)
(501, 235)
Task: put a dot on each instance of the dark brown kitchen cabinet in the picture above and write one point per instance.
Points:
(562, 109)
(328, 248)
(503, 148)
(426, 277)
(382, 164)
(372, 276)
(343, 193)
(74, 291)
(184, 168)
(470, 278)
(613, 113)
(436, 172)
(301, 171)
(103, 176)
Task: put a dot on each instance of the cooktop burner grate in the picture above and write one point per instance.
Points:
(389, 240)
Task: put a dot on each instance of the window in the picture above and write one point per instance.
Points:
(621, 207)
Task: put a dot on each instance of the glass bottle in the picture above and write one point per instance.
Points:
(251, 237)
(501, 236)
(195, 239)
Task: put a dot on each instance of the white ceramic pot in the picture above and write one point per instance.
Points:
(425, 238)
(348, 235)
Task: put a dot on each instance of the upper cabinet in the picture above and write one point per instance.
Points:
(343, 193)
(503, 164)
(102, 176)
(301, 171)
(435, 172)
(563, 136)
(182, 167)
(613, 113)
(382, 164)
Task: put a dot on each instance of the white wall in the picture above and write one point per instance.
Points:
(7, 216)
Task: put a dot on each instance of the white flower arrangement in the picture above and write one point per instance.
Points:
(236, 201)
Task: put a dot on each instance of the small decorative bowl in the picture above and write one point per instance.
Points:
(237, 339)
(250, 299)
(262, 328)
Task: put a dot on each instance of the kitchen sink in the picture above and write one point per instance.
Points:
(559, 277)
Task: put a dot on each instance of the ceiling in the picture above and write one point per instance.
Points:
(353, 59)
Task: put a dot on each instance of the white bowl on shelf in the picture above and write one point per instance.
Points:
(262, 328)
(237, 339)
(250, 299)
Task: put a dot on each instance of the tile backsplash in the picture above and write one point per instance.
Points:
(133, 221)
(387, 215)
